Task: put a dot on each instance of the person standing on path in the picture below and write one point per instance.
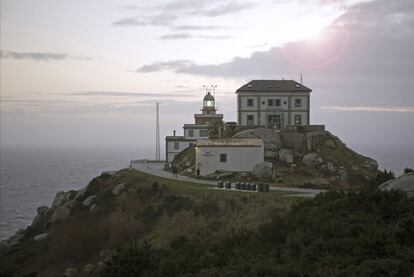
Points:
(175, 171)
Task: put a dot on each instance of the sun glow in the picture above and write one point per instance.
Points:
(312, 31)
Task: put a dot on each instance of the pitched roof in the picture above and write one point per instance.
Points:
(273, 86)
(230, 142)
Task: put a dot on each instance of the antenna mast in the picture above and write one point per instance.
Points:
(157, 133)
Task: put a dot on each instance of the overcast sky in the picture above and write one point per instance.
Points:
(86, 72)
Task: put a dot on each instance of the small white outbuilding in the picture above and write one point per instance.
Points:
(235, 155)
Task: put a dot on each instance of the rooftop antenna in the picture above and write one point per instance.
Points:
(213, 87)
(204, 86)
(301, 78)
(157, 133)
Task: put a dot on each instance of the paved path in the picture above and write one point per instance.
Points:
(157, 169)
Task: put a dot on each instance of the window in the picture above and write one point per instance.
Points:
(203, 133)
(250, 120)
(250, 102)
(298, 102)
(278, 103)
(270, 102)
(298, 119)
(223, 158)
(191, 133)
(176, 146)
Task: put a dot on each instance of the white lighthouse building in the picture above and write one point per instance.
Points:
(194, 131)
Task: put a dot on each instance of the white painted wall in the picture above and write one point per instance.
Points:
(196, 134)
(238, 158)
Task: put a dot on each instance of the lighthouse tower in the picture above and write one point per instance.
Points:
(198, 130)
(209, 106)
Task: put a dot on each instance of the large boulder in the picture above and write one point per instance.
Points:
(88, 201)
(41, 236)
(269, 154)
(370, 165)
(62, 212)
(59, 200)
(70, 272)
(286, 155)
(43, 215)
(118, 189)
(404, 182)
(319, 182)
(80, 194)
(263, 170)
(312, 160)
(270, 138)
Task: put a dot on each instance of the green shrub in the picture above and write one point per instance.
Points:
(367, 233)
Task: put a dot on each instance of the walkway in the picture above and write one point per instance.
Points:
(157, 169)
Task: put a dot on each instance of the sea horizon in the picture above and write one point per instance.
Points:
(45, 170)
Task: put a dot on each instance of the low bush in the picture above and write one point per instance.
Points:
(336, 234)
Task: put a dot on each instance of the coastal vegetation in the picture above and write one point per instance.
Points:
(143, 225)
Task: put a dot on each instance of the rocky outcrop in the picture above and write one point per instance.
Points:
(270, 155)
(271, 139)
(263, 170)
(370, 164)
(43, 215)
(41, 236)
(286, 155)
(88, 268)
(319, 182)
(61, 213)
(118, 189)
(70, 272)
(59, 199)
(312, 160)
(404, 182)
(88, 201)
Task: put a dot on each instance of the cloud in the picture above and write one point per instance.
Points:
(168, 13)
(197, 27)
(176, 36)
(372, 39)
(189, 36)
(168, 65)
(223, 9)
(369, 109)
(156, 20)
(40, 56)
(175, 93)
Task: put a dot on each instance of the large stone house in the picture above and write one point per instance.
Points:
(195, 131)
(273, 104)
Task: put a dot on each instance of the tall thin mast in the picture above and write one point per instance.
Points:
(157, 134)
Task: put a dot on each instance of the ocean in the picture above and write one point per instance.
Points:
(31, 176)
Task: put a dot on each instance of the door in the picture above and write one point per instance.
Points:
(275, 121)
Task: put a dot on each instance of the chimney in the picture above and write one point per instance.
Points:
(174, 133)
